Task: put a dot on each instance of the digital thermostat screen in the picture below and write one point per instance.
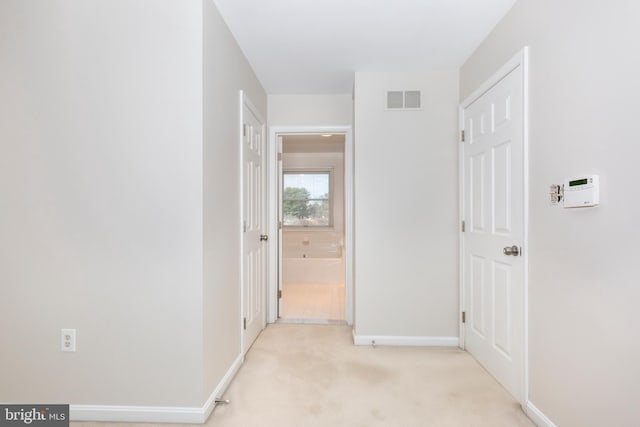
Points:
(578, 182)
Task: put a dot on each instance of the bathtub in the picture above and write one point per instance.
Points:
(312, 258)
(316, 271)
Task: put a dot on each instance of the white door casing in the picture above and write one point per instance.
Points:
(279, 160)
(494, 211)
(274, 205)
(254, 224)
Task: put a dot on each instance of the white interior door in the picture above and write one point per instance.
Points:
(493, 200)
(254, 274)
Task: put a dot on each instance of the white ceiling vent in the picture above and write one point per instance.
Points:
(403, 100)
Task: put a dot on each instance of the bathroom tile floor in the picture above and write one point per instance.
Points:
(312, 302)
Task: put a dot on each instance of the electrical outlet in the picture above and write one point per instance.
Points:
(68, 339)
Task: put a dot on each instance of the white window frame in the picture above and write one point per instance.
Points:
(328, 171)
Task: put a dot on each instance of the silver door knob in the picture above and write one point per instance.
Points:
(511, 250)
(264, 237)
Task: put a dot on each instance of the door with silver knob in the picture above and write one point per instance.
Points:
(254, 261)
(493, 206)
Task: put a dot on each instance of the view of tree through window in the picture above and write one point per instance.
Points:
(306, 199)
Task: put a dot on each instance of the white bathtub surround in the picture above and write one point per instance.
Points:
(313, 271)
(313, 257)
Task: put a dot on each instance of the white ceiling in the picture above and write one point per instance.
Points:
(315, 46)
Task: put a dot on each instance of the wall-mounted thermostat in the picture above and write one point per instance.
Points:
(581, 192)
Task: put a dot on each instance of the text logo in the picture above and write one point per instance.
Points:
(34, 415)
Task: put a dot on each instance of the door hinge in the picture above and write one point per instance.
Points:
(463, 227)
(244, 226)
(279, 156)
(464, 317)
(244, 130)
(244, 323)
(279, 225)
(279, 293)
(462, 135)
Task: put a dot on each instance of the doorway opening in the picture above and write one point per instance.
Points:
(311, 203)
(313, 233)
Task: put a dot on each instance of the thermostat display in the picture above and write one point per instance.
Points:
(582, 192)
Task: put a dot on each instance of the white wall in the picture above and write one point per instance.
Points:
(101, 206)
(583, 284)
(119, 171)
(310, 110)
(406, 272)
(226, 71)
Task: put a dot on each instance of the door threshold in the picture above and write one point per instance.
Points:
(313, 321)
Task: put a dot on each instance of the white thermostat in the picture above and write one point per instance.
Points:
(581, 192)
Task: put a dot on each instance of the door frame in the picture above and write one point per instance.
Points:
(245, 101)
(521, 59)
(274, 132)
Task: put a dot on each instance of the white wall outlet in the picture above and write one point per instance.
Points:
(68, 339)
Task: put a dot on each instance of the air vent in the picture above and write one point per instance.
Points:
(403, 100)
(395, 99)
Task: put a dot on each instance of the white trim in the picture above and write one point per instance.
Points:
(156, 414)
(222, 386)
(274, 131)
(517, 60)
(241, 213)
(405, 341)
(525, 170)
(461, 189)
(537, 416)
(521, 59)
(137, 414)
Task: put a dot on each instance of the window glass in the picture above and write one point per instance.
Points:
(306, 199)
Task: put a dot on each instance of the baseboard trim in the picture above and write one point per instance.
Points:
(405, 340)
(537, 416)
(137, 414)
(219, 391)
(156, 414)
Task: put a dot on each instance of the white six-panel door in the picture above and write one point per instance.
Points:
(493, 211)
(254, 274)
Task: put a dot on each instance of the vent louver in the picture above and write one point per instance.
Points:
(403, 100)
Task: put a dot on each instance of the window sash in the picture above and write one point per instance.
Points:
(328, 200)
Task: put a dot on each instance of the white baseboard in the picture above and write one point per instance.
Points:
(222, 386)
(156, 414)
(537, 416)
(137, 414)
(405, 341)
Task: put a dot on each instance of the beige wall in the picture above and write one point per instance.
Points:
(310, 110)
(583, 283)
(120, 214)
(226, 72)
(406, 271)
(101, 206)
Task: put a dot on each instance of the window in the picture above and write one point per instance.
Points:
(306, 199)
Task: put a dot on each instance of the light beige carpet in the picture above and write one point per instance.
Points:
(313, 376)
